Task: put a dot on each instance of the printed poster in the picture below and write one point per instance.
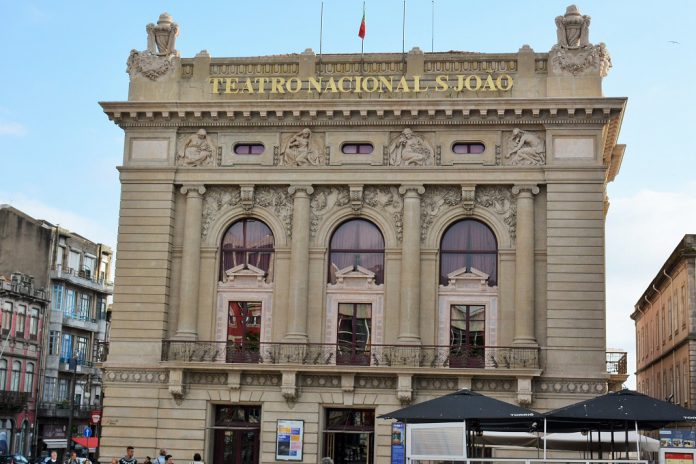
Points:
(398, 443)
(289, 440)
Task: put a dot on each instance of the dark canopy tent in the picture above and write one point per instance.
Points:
(479, 411)
(614, 410)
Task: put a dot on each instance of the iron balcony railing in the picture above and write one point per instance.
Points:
(12, 401)
(617, 362)
(62, 409)
(482, 357)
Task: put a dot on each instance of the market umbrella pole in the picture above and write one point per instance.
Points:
(637, 441)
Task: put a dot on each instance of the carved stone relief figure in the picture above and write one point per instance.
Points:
(573, 53)
(301, 150)
(526, 149)
(278, 201)
(324, 200)
(388, 199)
(436, 201)
(216, 199)
(158, 59)
(409, 149)
(499, 200)
(197, 150)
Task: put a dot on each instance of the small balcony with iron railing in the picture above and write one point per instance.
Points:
(61, 409)
(13, 401)
(617, 368)
(379, 356)
(82, 277)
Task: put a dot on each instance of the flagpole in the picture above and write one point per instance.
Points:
(403, 34)
(362, 45)
(432, 29)
(321, 33)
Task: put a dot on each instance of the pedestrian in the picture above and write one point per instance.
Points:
(54, 458)
(72, 459)
(197, 457)
(114, 460)
(327, 461)
(169, 459)
(162, 458)
(148, 460)
(128, 458)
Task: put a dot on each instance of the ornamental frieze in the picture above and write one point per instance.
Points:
(328, 381)
(197, 150)
(261, 380)
(205, 378)
(501, 385)
(278, 201)
(436, 383)
(579, 386)
(375, 382)
(136, 376)
(525, 148)
(302, 149)
(387, 199)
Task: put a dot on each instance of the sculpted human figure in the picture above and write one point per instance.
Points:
(409, 149)
(198, 150)
(298, 151)
(528, 148)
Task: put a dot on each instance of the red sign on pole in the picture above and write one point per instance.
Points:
(96, 416)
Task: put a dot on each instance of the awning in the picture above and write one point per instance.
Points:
(91, 443)
(54, 443)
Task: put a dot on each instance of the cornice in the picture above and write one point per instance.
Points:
(369, 112)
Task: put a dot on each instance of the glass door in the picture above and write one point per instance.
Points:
(354, 334)
(467, 335)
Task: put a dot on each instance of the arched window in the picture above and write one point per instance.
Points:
(29, 378)
(357, 243)
(248, 241)
(469, 243)
(3, 374)
(16, 372)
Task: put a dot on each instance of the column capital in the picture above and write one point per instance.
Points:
(415, 188)
(294, 189)
(519, 188)
(193, 189)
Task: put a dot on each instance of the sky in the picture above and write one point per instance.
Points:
(59, 152)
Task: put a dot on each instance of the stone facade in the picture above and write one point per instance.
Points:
(412, 146)
(665, 326)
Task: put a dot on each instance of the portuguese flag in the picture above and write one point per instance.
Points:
(361, 31)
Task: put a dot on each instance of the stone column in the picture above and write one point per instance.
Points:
(409, 318)
(524, 265)
(190, 263)
(299, 264)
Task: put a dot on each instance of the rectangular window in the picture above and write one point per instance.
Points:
(677, 311)
(29, 378)
(21, 321)
(57, 297)
(88, 264)
(677, 385)
(6, 324)
(62, 394)
(354, 333)
(101, 307)
(684, 308)
(16, 373)
(66, 349)
(670, 317)
(663, 327)
(60, 252)
(70, 297)
(53, 339)
(685, 389)
(85, 307)
(81, 349)
(74, 261)
(34, 324)
(467, 335)
(49, 390)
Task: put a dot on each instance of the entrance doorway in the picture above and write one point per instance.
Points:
(349, 436)
(467, 335)
(237, 434)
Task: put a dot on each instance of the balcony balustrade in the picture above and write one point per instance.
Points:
(617, 362)
(322, 354)
(13, 401)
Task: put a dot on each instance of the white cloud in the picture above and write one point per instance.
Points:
(12, 128)
(642, 231)
(89, 228)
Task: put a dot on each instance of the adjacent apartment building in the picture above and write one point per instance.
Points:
(665, 317)
(74, 275)
(307, 242)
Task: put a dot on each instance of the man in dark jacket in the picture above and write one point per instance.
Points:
(128, 458)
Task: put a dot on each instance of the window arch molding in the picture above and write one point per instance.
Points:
(442, 223)
(217, 228)
(332, 221)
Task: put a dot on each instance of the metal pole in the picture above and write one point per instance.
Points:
(321, 31)
(544, 439)
(403, 32)
(432, 28)
(637, 441)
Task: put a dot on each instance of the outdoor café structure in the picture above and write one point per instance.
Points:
(306, 242)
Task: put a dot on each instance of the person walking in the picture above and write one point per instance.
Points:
(54, 458)
(72, 459)
(162, 458)
(128, 458)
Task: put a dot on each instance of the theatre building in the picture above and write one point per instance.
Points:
(307, 242)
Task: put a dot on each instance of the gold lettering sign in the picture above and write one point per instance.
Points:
(361, 84)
